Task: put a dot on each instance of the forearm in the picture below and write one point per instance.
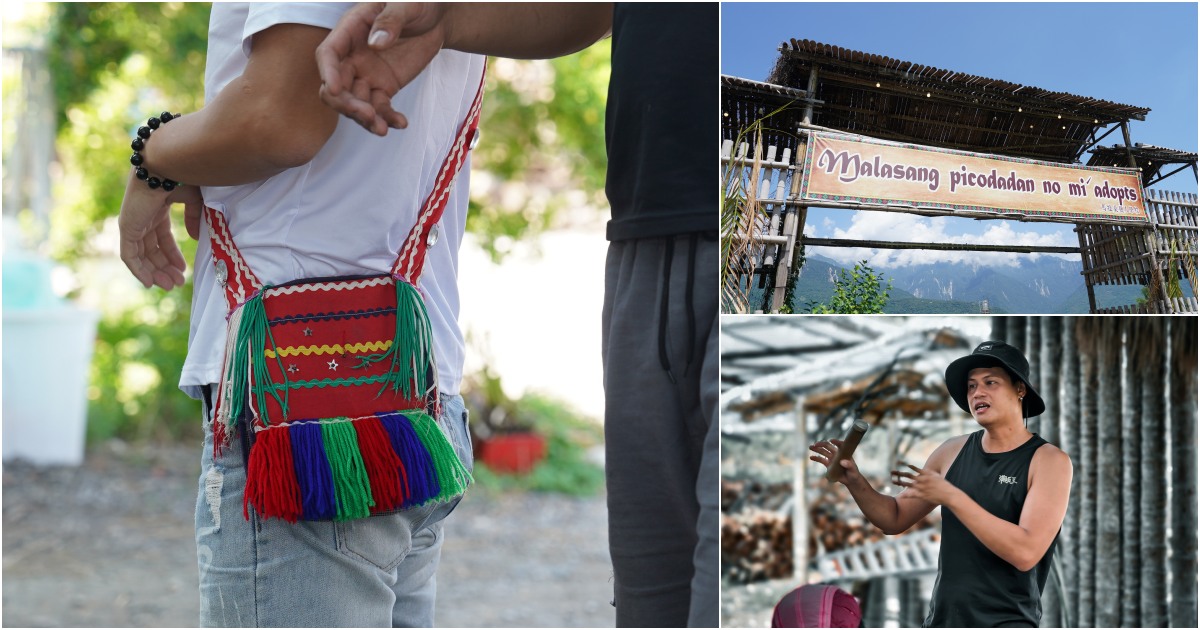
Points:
(262, 123)
(1013, 543)
(525, 30)
(881, 510)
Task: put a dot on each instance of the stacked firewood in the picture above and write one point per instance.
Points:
(756, 545)
(756, 527)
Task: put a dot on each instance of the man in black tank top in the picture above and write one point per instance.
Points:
(1004, 492)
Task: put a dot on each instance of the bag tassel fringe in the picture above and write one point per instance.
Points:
(348, 469)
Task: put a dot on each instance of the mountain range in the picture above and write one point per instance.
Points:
(1046, 285)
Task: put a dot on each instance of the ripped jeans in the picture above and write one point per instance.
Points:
(373, 572)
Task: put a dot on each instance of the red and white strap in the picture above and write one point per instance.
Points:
(233, 274)
(411, 260)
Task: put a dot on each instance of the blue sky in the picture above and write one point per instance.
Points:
(1142, 54)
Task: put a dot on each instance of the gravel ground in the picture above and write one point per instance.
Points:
(110, 543)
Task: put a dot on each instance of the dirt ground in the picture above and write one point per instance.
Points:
(110, 543)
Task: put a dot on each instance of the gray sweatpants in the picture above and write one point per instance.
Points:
(661, 386)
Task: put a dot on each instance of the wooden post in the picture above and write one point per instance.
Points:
(1131, 477)
(1161, 298)
(812, 91)
(1069, 432)
(1181, 355)
(800, 498)
(1109, 585)
(1086, 258)
(1128, 144)
(784, 264)
(1150, 362)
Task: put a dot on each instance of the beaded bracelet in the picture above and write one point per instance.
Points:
(139, 143)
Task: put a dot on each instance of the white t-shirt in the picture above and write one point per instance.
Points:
(348, 211)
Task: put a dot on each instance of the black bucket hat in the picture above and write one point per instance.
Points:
(993, 354)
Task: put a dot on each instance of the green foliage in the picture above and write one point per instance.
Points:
(858, 291)
(565, 469)
(91, 41)
(113, 65)
(542, 121)
(134, 392)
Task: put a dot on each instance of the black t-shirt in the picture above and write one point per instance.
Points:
(975, 588)
(661, 125)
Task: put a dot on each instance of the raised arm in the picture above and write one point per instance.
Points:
(892, 515)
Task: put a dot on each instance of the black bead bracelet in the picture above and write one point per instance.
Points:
(139, 143)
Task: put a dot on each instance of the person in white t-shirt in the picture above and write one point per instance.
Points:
(305, 194)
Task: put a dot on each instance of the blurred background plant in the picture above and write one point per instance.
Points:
(541, 164)
(569, 465)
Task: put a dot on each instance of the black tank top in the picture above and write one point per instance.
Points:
(975, 588)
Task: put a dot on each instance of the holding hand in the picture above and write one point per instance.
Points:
(927, 485)
(148, 246)
(826, 451)
(375, 50)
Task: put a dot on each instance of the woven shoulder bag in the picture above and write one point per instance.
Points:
(332, 380)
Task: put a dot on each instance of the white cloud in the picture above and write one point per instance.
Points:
(896, 226)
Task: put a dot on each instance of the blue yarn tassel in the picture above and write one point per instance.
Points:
(418, 464)
(313, 472)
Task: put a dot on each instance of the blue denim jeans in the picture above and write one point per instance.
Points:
(374, 572)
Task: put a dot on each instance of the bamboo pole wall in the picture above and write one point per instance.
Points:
(1146, 255)
(1121, 401)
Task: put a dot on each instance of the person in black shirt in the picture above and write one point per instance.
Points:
(660, 307)
(1004, 493)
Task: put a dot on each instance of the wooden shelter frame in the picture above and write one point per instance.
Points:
(1159, 253)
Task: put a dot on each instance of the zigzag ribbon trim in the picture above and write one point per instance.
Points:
(328, 286)
(332, 316)
(291, 351)
(326, 382)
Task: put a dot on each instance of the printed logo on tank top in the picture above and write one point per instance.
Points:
(1004, 479)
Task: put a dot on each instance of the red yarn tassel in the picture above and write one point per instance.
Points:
(382, 464)
(271, 485)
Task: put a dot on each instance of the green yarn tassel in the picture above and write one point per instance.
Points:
(252, 313)
(249, 351)
(452, 475)
(351, 486)
(412, 345)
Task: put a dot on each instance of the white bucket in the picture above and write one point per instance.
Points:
(47, 359)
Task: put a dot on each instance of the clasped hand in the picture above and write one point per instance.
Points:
(927, 485)
(373, 51)
(148, 246)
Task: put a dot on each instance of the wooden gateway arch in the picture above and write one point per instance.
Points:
(838, 128)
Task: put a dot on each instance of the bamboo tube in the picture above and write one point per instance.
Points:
(846, 450)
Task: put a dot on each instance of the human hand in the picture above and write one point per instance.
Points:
(375, 50)
(148, 246)
(826, 451)
(927, 485)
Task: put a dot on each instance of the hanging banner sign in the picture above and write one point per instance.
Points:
(850, 169)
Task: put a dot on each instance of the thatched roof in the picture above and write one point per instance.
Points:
(904, 101)
(1151, 159)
